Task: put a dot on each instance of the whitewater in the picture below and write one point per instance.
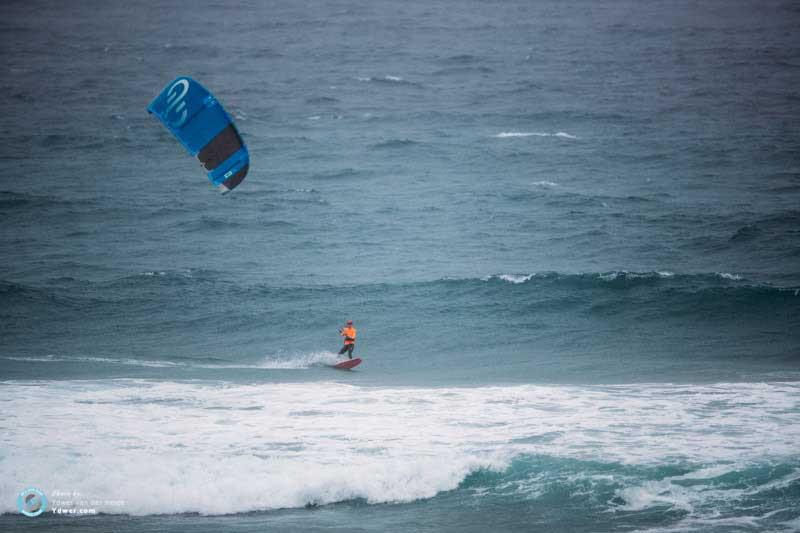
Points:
(215, 448)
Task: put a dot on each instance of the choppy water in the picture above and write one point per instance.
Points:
(568, 235)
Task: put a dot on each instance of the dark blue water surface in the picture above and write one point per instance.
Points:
(500, 194)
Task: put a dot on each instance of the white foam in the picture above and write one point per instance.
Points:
(395, 79)
(186, 273)
(729, 276)
(511, 134)
(84, 359)
(299, 361)
(695, 497)
(214, 448)
(510, 278)
(295, 361)
(656, 494)
(515, 278)
(507, 134)
(545, 183)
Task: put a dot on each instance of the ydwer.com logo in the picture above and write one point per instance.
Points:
(31, 502)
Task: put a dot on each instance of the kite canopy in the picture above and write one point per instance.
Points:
(198, 121)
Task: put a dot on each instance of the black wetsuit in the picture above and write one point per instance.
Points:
(348, 348)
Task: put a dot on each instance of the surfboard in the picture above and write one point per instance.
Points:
(347, 364)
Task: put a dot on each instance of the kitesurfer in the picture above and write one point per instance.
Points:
(349, 334)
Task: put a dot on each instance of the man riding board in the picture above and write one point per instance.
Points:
(349, 334)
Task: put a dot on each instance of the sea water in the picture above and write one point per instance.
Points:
(567, 234)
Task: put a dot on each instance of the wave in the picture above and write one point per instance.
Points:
(461, 59)
(556, 196)
(322, 100)
(511, 278)
(746, 233)
(263, 53)
(297, 362)
(292, 362)
(45, 300)
(211, 223)
(664, 287)
(177, 278)
(727, 324)
(394, 144)
(464, 70)
(207, 223)
(55, 141)
(692, 282)
(94, 360)
(270, 446)
(335, 174)
(387, 79)
(698, 494)
(622, 276)
(642, 296)
(14, 200)
(511, 134)
(778, 226)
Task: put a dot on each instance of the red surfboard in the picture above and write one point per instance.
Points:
(347, 364)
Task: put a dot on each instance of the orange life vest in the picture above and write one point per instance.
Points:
(349, 334)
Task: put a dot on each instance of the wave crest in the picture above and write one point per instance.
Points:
(512, 134)
(254, 447)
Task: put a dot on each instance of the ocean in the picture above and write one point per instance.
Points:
(568, 235)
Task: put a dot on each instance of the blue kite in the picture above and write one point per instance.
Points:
(198, 121)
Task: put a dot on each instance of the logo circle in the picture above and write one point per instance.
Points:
(31, 502)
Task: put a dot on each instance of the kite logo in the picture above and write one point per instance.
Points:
(31, 502)
(176, 103)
